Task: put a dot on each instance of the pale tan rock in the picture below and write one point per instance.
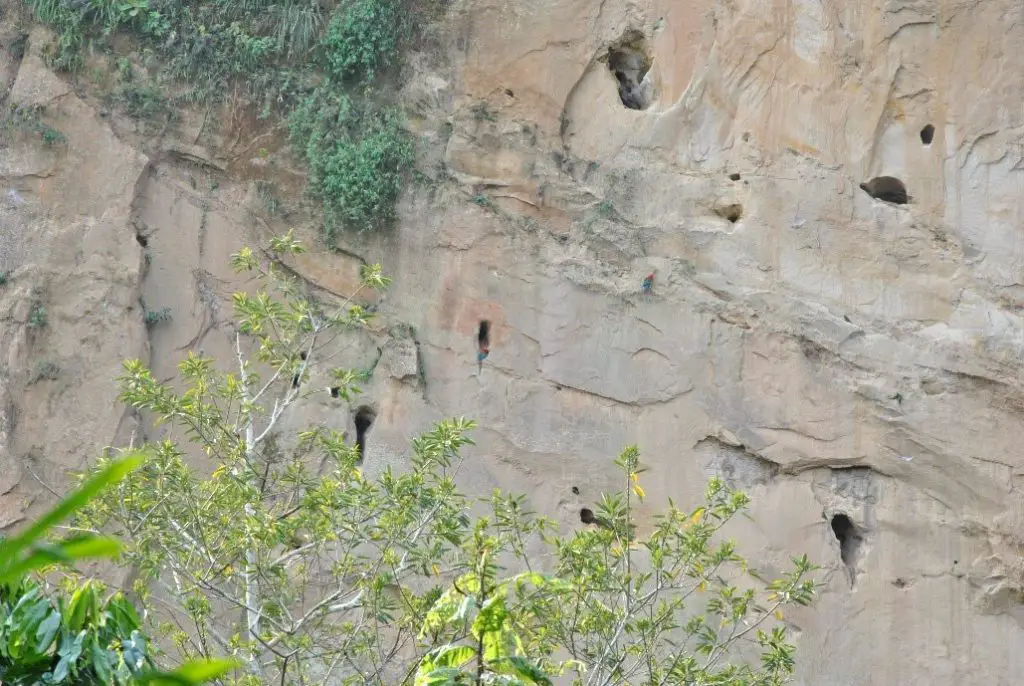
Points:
(832, 353)
(69, 247)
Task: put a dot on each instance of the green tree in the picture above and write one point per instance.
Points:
(283, 553)
(614, 608)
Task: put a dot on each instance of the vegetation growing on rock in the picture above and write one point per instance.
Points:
(313, 65)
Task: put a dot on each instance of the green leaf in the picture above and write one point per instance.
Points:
(492, 616)
(84, 605)
(528, 670)
(453, 656)
(47, 631)
(77, 548)
(195, 672)
(114, 472)
(494, 645)
(439, 677)
(69, 652)
(100, 659)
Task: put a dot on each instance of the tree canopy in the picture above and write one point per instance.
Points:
(283, 553)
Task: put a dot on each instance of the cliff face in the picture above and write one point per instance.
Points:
(854, 363)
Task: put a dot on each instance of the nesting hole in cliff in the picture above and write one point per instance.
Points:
(886, 188)
(587, 516)
(850, 540)
(734, 177)
(142, 240)
(575, 490)
(733, 212)
(483, 335)
(364, 420)
(335, 391)
(927, 134)
(629, 62)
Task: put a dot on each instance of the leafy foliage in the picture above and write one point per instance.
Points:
(44, 370)
(37, 317)
(363, 38)
(62, 641)
(356, 158)
(657, 610)
(25, 119)
(277, 50)
(154, 317)
(289, 557)
(46, 637)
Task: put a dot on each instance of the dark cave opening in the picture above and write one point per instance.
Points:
(927, 134)
(629, 63)
(733, 213)
(364, 420)
(587, 516)
(886, 188)
(850, 539)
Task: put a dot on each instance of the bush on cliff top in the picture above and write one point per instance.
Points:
(292, 57)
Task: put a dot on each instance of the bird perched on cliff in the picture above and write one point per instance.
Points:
(483, 344)
(629, 92)
(648, 282)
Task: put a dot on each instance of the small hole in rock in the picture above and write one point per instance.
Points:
(849, 542)
(483, 335)
(364, 420)
(142, 240)
(886, 188)
(927, 134)
(575, 490)
(509, 93)
(587, 516)
(629, 63)
(731, 212)
(734, 177)
(335, 392)
(746, 136)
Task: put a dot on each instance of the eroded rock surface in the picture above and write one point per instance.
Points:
(855, 362)
(835, 353)
(69, 307)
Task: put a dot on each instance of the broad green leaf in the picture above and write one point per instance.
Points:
(47, 631)
(83, 606)
(100, 659)
(69, 651)
(526, 670)
(195, 672)
(439, 677)
(80, 547)
(494, 646)
(453, 656)
(113, 473)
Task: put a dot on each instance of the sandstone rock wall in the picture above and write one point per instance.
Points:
(831, 352)
(855, 364)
